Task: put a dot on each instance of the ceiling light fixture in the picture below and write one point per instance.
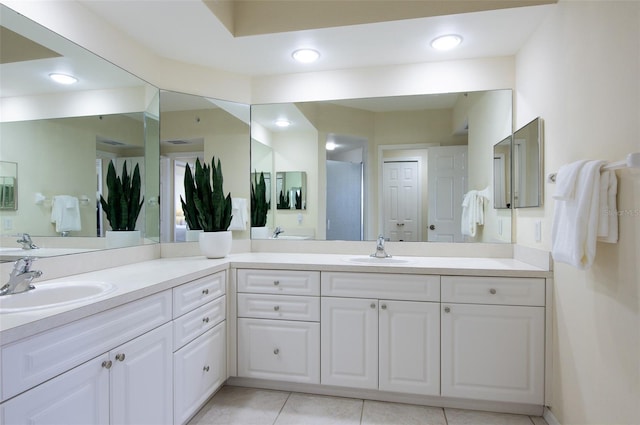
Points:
(306, 55)
(282, 123)
(446, 42)
(63, 78)
(330, 146)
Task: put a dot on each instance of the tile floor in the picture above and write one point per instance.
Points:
(250, 406)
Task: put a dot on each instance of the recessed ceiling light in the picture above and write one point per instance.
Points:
(306, 55)
(330, 146)
(282, 122)
(446, 42)
(63, 78)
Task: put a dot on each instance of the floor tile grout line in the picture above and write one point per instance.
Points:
(282, 408)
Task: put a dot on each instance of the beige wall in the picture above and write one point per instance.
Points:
(581, 73)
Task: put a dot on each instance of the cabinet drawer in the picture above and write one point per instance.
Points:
(200, 369)
(194, 323)
(33, 360)
(199, 292)
(382, 286)
(288, 282)
(493, 290)
(280, 350)
(283, 307)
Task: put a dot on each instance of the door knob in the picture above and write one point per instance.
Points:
(432, 227)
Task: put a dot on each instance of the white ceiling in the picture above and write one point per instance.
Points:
(187, 31)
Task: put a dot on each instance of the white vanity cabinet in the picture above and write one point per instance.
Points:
(199, 360)
(493, 338)
(381, 331)
(278, 325)
(113, 367)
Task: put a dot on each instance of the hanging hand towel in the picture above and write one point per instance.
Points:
(239, 213)
(608, 220)
(566, 180)
(575, 220)
(65, 213)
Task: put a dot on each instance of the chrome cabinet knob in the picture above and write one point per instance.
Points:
(276, 351)
(276, 308)
(432, 227)
(383, 306)
(205, 292)
(205, 320)
(447, 310)
(120, 357)
(373, 305)
(276, 282)
(206, 368)
(492, 291)
(107, 364)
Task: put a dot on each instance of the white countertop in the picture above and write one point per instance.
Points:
(138, 280)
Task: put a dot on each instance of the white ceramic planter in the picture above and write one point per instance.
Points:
(120, 239)
(215, 244)
(260, 233)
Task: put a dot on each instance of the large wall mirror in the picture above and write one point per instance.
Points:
(63, 137)
(396, 166)
(195, 127)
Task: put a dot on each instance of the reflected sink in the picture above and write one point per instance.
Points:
(374, 260)
(50, 295)
(292, 237)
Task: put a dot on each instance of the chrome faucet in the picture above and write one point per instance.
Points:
(20, 277)
(27, 243)
(380, 252)
(277, 232)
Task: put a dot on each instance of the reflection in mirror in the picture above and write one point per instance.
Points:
(368, 143)
(527, 165)
(198, 127)
(502, 174)
(8, 185)
(63, 136)
(291, 187)
(262, 165)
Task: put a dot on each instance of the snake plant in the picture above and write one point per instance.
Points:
(259, 204)
(123, 203)
(189, 204)
(212, 207)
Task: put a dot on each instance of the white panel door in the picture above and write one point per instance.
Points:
(400, 201)
(493, 352)
(409, 347)
(447, 175)
(142, 379)
(279, 349)
(199, 370)
(79, 396)
(349, 342)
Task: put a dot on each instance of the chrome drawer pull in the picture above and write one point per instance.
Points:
(205, 320)
(120, 357)
(276, 351)
(373, 305)
(492, 291)
(447, 309)
(276, 308)
(383, 306)
(205, 292)
(276, 282)
(206, 368)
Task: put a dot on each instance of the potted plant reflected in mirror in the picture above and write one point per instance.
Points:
(259, 208)
(212, 209)
(122, 206)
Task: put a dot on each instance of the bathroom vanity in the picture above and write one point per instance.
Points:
(440, 331)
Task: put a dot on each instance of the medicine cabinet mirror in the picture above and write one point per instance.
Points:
(527, 165)
(291, 188)
(502, 174)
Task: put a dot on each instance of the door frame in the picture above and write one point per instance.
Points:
(381, 150)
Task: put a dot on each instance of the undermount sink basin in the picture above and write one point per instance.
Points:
(375, 260)
(51, 295)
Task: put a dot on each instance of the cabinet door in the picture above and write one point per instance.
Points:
(79, 396)
(492, 352)
(142, 379)
(409, 347)
(279, 349)
(349, 342)
(199, 370)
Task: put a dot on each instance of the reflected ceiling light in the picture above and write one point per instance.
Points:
(63, 78)
(306, 55)
(330, 146)
(446, 42)
(282, 123)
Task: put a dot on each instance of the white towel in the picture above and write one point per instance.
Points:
(472, 212)
(566, 180)
(65, 213)
(575, 220)
(240, 215)
(608, 220)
